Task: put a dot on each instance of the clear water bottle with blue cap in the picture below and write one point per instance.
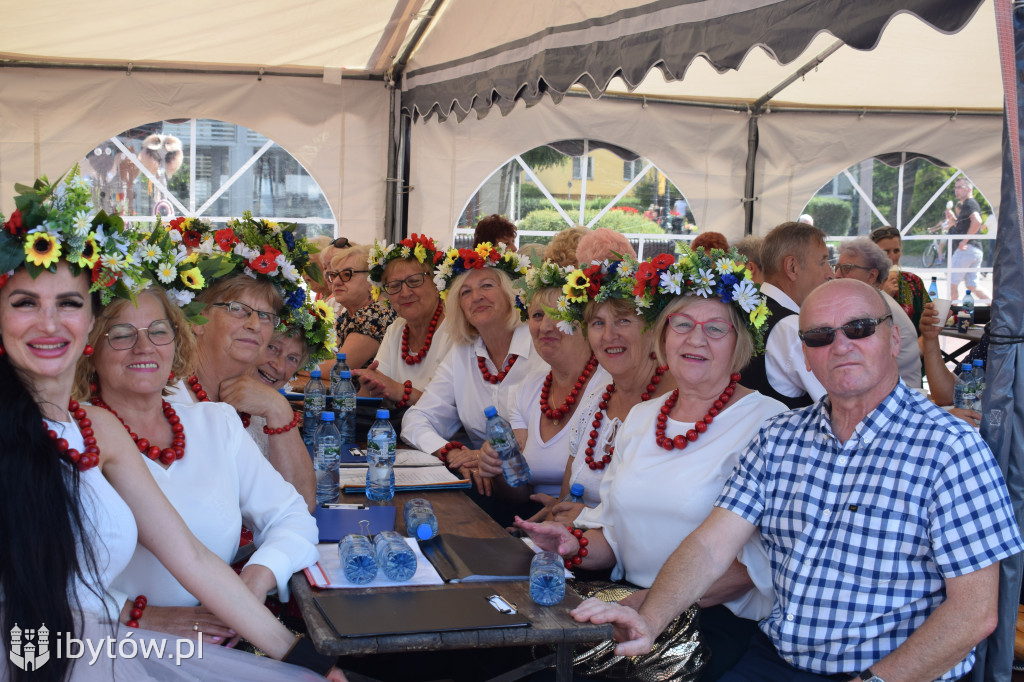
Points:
(344, 394)
(339, 366)
(380, 458)
(358, 559)
(963, 388)
(547, 578)
(575, 493)
(420, 520)
(313, 398)
(326, 460)
(933, 289)
(979, 378)
(395, 559)
(503, 439)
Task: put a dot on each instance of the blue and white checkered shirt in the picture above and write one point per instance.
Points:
(862, 534)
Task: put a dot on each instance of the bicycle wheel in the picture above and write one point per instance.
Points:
(930, 255)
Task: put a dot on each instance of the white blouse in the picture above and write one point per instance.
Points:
(547, 459)
(651, 499)
(391, 364)
(458, 394)
(579, 434)
(222, 482)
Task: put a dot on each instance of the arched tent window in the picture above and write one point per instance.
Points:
(912, 193)
(582, 182)
(204, 168)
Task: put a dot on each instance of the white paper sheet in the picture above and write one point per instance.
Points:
(326, 573)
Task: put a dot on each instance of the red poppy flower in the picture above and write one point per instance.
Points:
(14, 225)
(408, 242)
(471, 259)
(494, 256)
(176, 224)
(191, 238)
(438, 257)
(263, 264)
(663, 260)
(271, 252)
(226, 239)
(644, 274)
(3, 280)
(593, 274)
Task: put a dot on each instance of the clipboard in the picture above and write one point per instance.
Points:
(401, 612)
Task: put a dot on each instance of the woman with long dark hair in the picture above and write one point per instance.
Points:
(74, 494)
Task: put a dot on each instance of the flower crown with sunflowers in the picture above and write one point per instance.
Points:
(53, 222)
(484, 255)
(655, 282)
(419, 246)
(258, 248)
(315, 321)
(550, 275)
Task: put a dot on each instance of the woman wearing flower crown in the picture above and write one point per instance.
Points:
(546, 405)
(247, 278)
(76, 492)
(415, 343)
(137, 348)
(673, 454)
(490, 357)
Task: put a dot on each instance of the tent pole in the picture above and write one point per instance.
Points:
(748, 183)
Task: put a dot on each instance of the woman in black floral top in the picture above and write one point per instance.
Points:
(906, 288)
(363, 323)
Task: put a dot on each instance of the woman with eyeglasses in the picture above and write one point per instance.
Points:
(905, 287)
(362, 324)
(673, 453)
(188, 448)
(415, 343)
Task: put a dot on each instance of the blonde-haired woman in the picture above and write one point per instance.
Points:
(490, 357)
(362, 324)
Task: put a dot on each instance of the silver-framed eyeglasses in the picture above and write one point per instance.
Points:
(681, 323)
(241, 311)
(125, 336)
(415, 281)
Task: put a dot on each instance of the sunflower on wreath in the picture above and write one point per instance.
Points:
(54, 221)
(315, 321)
(567, 279)
(420, 247)
(596, 282)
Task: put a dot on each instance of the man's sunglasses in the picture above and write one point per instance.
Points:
(341, 243)
(854, 329)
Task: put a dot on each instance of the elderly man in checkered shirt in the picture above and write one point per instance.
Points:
(884, 518)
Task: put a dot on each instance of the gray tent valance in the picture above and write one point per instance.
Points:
(668, 34)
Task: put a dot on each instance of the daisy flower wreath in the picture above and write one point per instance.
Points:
(549, 275)
(597, 282)
(485, 255)
(315, 321)
(53, 222)
(419, 246)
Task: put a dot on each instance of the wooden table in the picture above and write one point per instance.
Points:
(457, 514)
(972, 336)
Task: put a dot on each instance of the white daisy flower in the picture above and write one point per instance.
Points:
(113, 261)
(562, 305)
(81, 223)
(705, 278)
(745, 294)
(671, 283)
(166, 273)
(405, 252)
(78, 182)
(724, 265)
(150, 253)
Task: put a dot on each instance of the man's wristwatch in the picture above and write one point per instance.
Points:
(868, 676)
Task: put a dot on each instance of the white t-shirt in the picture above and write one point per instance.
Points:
(651, 499)
(547, 459)
(458, 394)
(222, 482)
(579, 430)
(389, 355)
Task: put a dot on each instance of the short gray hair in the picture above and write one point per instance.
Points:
(871, 254)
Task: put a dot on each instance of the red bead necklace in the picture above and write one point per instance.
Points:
(204, 397)
(599, 417)
(482, 364)
(167, 455)
(84, 460)
(418, 358)
(556, 414)
(681, 441)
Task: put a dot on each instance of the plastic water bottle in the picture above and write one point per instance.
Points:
(547, 578)
(503, 440)
(358, 560)
(968, 304)
(327, 443)
(313, 397)
(979, 381)
(382, 427)
(380, 458)
(339, 366)
(575, 493)
(933, 288)
(394, 557)
(963, 388)
(420, 520)
(344, 394)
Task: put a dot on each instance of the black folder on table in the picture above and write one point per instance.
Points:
(399, 612)
(334, 524)
(463, 559)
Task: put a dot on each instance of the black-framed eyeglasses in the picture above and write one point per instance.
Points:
(242, 311)
(341, 243)
(412, 281)
(885, 233)
(847, 268)
(343, 275)
(125, 336)
(681, 323)
(854, 329)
